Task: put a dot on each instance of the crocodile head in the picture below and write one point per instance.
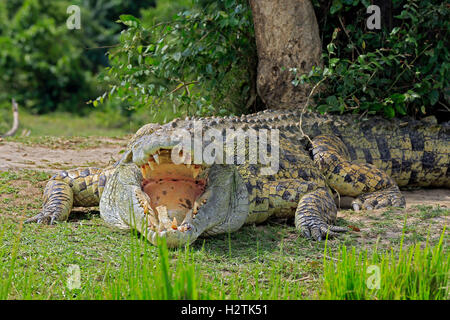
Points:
(162, 190)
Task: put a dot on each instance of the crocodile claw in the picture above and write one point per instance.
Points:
(312, 227)
(43, 218)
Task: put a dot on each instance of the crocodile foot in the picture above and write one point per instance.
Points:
(44, 217)
(315, 214)
(391, 197)
(313, 227)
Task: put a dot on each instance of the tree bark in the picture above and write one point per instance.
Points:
(287, 36)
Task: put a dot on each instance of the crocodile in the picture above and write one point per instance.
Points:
(163, 187)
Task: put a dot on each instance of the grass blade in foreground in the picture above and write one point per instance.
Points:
(416, 274)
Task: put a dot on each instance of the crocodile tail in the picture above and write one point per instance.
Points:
(412, 152)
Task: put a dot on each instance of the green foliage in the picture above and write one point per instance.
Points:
(397, 72)
(200, 62)
(40, 64)
(44, 65)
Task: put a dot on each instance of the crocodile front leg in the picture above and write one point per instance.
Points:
(316, 213)
(78, 187)
(372, 187)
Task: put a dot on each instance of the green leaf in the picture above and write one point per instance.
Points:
(334, 61)
(322, 108)
(129, 20)
(400, 108)
(336, 6)
(389, 112)
(333, 101)
(398, 97)
(434, 97)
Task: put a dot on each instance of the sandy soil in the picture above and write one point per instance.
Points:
(16, 156)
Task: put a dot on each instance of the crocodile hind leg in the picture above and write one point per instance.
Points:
(77, 187)
(316, 213)
(371, 187)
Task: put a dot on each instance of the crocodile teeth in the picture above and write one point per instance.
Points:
(195, 172)
(152, 219)
(145, 170)
(156, 157)
(151, 165)
(188, 159)
(195, 208)
(163, 217)
(189, 216)
(174, 224)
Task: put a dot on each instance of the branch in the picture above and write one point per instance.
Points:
(306, 105)
(15, 125)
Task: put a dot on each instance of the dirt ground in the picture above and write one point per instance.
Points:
(57, 156)
(106, 151)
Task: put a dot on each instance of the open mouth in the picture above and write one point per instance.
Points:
(176, 191)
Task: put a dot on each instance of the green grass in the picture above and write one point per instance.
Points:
(61, 124)
(97, 123)
(138, 270)
(268, 261)
(412, 274)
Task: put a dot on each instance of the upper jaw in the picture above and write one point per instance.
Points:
(150, 145)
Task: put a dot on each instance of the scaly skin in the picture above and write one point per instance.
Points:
(367, 160)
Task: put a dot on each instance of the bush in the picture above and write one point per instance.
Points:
(393, 72)
(200, 62)
(203, 61)
(44, 65)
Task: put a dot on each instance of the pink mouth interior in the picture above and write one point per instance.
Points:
(174, 186)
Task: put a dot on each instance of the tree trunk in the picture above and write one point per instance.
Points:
(287, 36)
